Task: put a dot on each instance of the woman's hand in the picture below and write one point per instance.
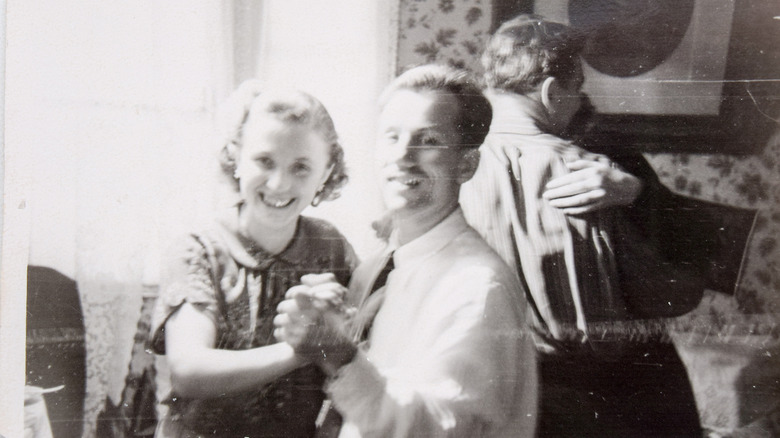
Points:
(313, 321)
(592, 185)
(326, 293)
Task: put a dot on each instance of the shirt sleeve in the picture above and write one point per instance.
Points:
(474, 375)
(186, 278)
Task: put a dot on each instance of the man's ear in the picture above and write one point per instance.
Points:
(468, 164)
(549, 93)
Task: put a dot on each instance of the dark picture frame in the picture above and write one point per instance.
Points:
(749, 108)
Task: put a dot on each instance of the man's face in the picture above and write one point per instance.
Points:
(418, 154)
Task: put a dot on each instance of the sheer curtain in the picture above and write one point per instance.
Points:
(344, 53)
(110, 119)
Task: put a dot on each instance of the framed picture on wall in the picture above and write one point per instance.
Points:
(674, 75)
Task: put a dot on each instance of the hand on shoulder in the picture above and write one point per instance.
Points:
(592, 185)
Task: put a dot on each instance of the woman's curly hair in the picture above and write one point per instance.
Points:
(251, 99)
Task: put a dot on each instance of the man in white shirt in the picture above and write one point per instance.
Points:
(445, 354)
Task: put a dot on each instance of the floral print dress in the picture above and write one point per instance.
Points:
(239, 286)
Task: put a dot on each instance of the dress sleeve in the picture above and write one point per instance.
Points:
(187, 278)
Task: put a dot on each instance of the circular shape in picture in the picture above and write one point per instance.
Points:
(630, 37)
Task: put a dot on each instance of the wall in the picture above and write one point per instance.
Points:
(13, 264)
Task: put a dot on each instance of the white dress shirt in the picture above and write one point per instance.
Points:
(448, 355)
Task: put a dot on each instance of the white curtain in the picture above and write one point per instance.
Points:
(344, 53)
(110, 117)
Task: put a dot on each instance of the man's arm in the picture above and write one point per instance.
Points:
(592, 185)
(594, 182)
(462, 383)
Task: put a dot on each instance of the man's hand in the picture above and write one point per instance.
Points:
(592, 185)
(312, 319)
(325, 292)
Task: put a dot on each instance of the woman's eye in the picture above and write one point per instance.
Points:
(265, 162)
(301, 169)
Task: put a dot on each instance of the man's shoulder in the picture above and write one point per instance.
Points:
(539, 143)
(469, 254)
(473, 273)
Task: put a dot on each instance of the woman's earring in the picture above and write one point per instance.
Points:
(318, 196)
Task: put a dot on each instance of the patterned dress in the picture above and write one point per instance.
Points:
(239, 286)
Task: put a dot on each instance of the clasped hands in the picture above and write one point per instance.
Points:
(313, 320)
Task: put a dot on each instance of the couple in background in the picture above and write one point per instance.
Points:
(431, 338)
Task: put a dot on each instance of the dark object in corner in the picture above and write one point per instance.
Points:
(55, 347)
(135, 414)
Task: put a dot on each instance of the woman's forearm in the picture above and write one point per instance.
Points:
(199, 370)
(208, 372)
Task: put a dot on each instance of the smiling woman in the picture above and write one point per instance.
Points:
(283, 155)
(213, 319)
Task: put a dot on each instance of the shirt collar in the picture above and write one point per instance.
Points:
(512, 113)
(434, 240)
(246, 252)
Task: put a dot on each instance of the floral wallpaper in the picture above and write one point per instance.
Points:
(453, 32)
(730, 344)
(444, 31)
(745, 181)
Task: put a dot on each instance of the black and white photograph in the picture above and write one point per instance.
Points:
(390, 218)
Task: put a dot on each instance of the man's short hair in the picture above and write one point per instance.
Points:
(474, 110)
(527, 49)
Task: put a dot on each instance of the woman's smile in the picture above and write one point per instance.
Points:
(276, 201)
(280, 169)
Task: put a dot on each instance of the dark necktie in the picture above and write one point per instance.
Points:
(364, 318)
(329, 425)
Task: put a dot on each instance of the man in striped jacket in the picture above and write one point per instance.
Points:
(547, 207)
